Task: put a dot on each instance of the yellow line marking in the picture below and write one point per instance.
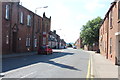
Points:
(88, 72)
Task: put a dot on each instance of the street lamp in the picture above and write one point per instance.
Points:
(39, 8)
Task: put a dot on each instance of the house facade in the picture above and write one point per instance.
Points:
(22, 29)
(109, 36)
(78, 43)
(55, 41)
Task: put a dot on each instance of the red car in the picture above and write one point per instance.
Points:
(45, 50)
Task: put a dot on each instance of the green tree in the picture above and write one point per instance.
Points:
(90, 31)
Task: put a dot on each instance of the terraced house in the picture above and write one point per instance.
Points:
(22, 29)
(109, 41)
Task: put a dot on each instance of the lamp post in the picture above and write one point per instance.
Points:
(40, 8)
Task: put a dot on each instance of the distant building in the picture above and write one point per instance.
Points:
(22, 30)
(78, 43)
(55, 41)
(109, 37)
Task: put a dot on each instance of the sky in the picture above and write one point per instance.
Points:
(68, 16)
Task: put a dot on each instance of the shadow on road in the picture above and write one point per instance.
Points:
(62, 65)
(18, 62)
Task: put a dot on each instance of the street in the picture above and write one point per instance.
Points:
(67, 63)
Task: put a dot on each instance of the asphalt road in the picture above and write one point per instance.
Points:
(68, 63)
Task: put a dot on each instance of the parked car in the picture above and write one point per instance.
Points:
(45, 50)
(74, 47)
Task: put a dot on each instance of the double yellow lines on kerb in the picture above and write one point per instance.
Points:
(88, 76)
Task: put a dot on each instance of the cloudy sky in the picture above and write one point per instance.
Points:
(68, 16)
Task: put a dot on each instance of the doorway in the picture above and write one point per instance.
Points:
(14, 42)
(119, 47)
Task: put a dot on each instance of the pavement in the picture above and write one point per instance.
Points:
(24, 54)
(102, 67)
(18, 54)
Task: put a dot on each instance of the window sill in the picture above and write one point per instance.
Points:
(7, 19)
(118, 20)
(111, 27)
(22, 23)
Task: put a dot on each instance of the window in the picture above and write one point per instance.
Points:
(119, 10)
(110, 45)
(29, 20)
(35, 43)
(21, 17)
(111, 16)
(27, 42)
(44, 40)
(7, 39)
(7, 14)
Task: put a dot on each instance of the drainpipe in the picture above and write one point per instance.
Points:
(10, 30)
(107, 38)
(33, 32)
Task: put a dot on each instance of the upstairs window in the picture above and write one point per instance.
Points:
(111, 19)
(21, 17)
(28, 20)
(7, 14)
(119, 10)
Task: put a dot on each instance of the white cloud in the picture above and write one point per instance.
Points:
(94, 5)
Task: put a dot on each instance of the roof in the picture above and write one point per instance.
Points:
(112, 5)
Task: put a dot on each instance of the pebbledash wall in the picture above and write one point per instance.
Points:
(22, 30)
(109, 40)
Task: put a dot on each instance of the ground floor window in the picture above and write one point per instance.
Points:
(27, 42)
(110, 45)
(44, 40)
(7, 39)
(35, 42)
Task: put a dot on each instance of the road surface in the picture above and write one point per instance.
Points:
(68, 63)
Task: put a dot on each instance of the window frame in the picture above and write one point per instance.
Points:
(21, 18)
(27, 42)
(35, 43)
(110, 45)
(28, 20)
(111, 19)
(7, 12)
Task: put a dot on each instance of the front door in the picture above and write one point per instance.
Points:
(119, 46)
(14, 42)
(118, 50)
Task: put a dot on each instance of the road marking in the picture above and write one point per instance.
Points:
(27, 75)
(92, 74)
(20, 68)
(88, 72)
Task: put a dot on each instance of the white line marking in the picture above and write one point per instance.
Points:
(20, 68)
(27, 75)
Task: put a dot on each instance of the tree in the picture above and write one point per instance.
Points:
(90, 31)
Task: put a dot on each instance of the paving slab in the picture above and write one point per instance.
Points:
(102, 67)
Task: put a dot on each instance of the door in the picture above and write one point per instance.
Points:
(118, 50)
(119, 47)
(14, 42)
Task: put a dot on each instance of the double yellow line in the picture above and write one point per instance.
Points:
(89, 69)
(88, 76)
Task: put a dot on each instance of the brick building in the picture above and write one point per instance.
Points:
(22, 30)
(55, 41)
(109, 41)
(78, 43)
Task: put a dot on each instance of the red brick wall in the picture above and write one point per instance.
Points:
(107, 32)
(7, 26)
(112, 32)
